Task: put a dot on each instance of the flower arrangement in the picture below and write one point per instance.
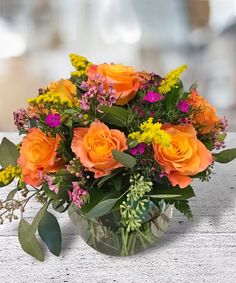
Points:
(119, 148)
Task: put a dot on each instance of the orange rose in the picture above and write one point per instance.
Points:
(64, 88)
(207, 118)
(93, 146)
(185, 157)
(38, 156)
(125, 80)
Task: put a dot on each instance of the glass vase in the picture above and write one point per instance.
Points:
(106, 235)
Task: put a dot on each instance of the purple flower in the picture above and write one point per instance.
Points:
(183, 106)
(53, 120)
(78, 195)
(139, 149)
(20, 118)
(152, 97)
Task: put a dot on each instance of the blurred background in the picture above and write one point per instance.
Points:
(156, 35)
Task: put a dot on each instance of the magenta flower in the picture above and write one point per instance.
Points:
(152, 97)
(53, 120)
(78, 195)
(139, 149)
(183, 106)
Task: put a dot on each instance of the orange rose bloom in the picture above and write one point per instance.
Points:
(38, 156)
(64, 88)
(93, 146)
(185, 157)
(125, 80)
(207, 118)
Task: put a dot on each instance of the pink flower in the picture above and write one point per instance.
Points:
(183, 106)
(52, 187)
(78, 195)
(152, 97)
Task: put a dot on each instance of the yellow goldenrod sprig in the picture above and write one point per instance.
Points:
(171, 79)
(9, 173)
(151, 132)
(50, 98)
(80, 64)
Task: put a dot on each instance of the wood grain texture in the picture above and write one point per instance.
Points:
(203, 250)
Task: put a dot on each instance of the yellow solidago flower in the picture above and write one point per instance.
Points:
(151, 132)
(8, 174)
(171, 79)
(50, 98)
(80, 63)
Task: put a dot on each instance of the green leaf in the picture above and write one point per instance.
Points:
(132, 143)
(193, 86)
(225, 156)
(8, 153)
(107, 178)
(11, 195)
(37, 219)
(50, 233)
(58, 205)
(164, 196)
(174, 95)
(124, 158)
(115, 115)
(101, 208)
(174, 192)
(183, 207)
(117, 182)
(29, 245)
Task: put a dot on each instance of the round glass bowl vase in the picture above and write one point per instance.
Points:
(106, 235)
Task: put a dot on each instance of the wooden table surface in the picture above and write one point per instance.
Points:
(203, 250)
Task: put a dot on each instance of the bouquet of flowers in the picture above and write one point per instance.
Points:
(116, 147)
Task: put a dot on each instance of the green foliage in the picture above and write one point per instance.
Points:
(134, 208)
(225, 156)
(50, 233)
(102, 208)
(11, 195)
(183, 207)
(165, 196)
(115, 115)
(104, 179)
(34, 226)
(176, 193)
(124, 158)
(8, 153)
(29, 244)
(174, 95)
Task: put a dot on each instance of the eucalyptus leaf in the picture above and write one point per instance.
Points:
(103, 180)
(225, 156)
(115, 115)
(50, 233)
(29, 245)
(11, 195)
(164, 196)
(173, 192)
(8, 153)
(124, 158)
(101, 208)
(37, 219)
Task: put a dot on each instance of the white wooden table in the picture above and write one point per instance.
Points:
(200, 251)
